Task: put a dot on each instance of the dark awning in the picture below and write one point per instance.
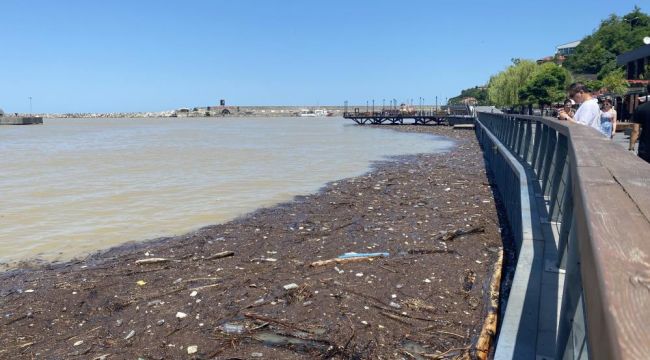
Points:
(636, 54)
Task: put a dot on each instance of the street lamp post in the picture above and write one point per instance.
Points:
(30, 106)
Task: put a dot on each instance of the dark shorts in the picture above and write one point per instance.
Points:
(644, 151)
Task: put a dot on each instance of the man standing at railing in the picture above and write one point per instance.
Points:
(589, 112)
(642, 116)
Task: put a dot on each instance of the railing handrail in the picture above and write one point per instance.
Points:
(611, 210)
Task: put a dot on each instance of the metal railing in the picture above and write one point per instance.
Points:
(596, 200)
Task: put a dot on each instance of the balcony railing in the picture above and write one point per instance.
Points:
(595, 200)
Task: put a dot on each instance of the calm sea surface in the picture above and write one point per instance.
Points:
(72, 186)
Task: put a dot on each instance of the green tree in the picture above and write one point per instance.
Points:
(503, 88)
(597, 52)
(478, 92)
(546, 85)
(615, 82)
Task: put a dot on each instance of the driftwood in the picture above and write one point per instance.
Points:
(430, 251)
(489, 329)
(451, 235)
(343, 260)
(220, 255)
(151, 261)
(267, 319)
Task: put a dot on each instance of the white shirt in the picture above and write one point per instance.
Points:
(589, 114)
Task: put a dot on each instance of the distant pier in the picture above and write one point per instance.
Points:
(396, 117)
(453, 115)
(20, 120)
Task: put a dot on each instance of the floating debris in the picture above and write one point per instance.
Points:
(229, 328)
(350, 255)
(291, 286)
(181, 315)
(151, 261)
(220, 255)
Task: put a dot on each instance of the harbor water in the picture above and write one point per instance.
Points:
(73, 186)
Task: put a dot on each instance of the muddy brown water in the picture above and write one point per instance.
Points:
(73, 186)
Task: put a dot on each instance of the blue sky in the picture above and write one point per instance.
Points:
(105, 56)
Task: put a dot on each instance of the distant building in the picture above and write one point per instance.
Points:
(561, 53)
(557, 59)
(635, 62)
(567, 49)
(637, 70)
(182, 112)
(2, 113)
(469, 101)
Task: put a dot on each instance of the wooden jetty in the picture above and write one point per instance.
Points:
(396, 117)
(446, 115)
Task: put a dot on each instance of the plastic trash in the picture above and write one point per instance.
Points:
(229, 328)
(349, 255)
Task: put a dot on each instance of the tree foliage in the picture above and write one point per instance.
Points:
(615, 82)
(479, 93)
(546, 85)
(597, 52)
(503, 88)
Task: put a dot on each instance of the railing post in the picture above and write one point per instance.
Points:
(559, 169)
(536, 145)
(566, 220)
(527, 143)
(549, 158)
(542, 151)
(515, 136)
(513, 132)
(520, 137)
(572, 334)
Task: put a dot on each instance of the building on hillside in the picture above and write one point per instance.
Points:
(637, 70)
(469, 101)
(561, 53)
(567, 49)
(558, 59)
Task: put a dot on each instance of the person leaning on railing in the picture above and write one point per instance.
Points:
(568, 108)
(642, 116)
(589, 112)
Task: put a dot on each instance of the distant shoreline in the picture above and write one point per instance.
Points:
(210, 111)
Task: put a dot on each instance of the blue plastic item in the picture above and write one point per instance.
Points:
(354, 255)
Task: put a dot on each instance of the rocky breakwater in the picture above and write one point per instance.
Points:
(20, 120)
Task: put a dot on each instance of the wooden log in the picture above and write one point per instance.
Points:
(489, 329)
(220, 255)
(151, 261)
